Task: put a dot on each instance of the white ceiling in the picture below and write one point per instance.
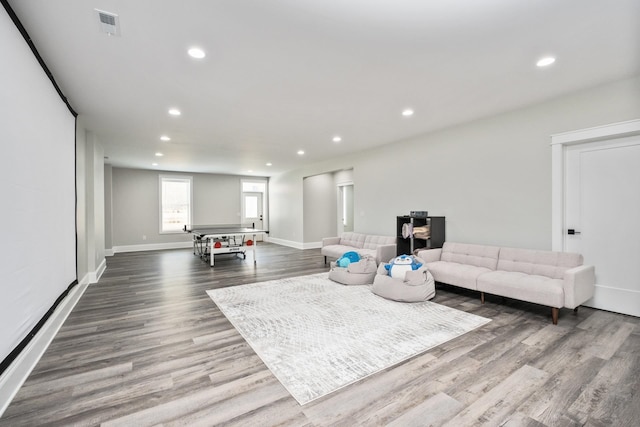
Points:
(285, 75)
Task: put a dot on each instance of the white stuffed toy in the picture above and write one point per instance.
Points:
(399, 266)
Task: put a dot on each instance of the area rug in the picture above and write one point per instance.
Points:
(317, 336)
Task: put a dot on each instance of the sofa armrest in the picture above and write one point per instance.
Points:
(579, 285)
(330, 241)
(384, 253)
(430, 255)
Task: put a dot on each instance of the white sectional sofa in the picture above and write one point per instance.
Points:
(554, 279)
(381, 248)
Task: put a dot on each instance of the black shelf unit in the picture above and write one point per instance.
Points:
(409, 245)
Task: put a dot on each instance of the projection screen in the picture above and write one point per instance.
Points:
(37, 172)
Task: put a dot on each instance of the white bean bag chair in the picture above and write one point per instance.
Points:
(356, 273)
(417, 285)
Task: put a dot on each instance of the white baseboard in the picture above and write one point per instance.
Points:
(292, 244)
(283, 242)
(152, 247)
(84, 280)
(312, 245)
(16, 374)
(94, 276)
(108, 252)
(624, 301)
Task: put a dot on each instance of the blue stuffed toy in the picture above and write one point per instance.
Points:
(398, 266)
(347, 259)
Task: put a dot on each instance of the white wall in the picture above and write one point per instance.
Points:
(82, 250)
(343, 177)
(491, 178)
(217, 199)
(285, 208)
(108, 209)
(90, 209)
(136, 211)
(319, 207)
(95, 205)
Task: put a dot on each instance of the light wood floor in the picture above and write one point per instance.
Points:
(146, 346)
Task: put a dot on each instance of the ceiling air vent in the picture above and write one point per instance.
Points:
(109, 22)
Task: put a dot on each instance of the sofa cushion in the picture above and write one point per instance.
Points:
(454, 273)
(336, 251)
(355, 240)
(372, 242)
(541, 263)
(469, 254)
(522, 286)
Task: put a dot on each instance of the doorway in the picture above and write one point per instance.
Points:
(253, 205)
(345, 208)
(596, 206)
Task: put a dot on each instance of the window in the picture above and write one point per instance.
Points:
(175, 203)
(254, 186)
(251, 206)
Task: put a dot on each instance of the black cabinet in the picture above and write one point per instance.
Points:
(428, 232)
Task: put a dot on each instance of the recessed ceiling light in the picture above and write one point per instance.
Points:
(269, 164)
(196, 52)
(250, 171)
(407, 112)
(337, 138)
(545, 62)
(300, 152)
(165, 138)
(174, 112)
(159, 154)
(154, 164)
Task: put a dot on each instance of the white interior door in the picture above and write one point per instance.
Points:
(252, 212)
(602, 218)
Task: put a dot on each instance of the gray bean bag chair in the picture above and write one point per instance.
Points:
(356, 273)
(418, 285)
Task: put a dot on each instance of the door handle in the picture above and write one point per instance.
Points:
(572, 231)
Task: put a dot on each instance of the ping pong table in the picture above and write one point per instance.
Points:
(209, 240)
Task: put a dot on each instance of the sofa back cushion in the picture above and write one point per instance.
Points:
(466, 253)
(541, 263)
(372, 242)
(352, 239)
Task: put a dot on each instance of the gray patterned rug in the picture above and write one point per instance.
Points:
(317, 336)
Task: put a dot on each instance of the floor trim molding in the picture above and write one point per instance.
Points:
(295, 245)
(152, 247)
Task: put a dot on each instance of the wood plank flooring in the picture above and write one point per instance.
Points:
(147, 346)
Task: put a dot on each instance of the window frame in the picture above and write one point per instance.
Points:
(177, 178)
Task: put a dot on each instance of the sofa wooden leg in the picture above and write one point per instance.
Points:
(481, 297)
(325, 259)
(575, 310)
(554, 315)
